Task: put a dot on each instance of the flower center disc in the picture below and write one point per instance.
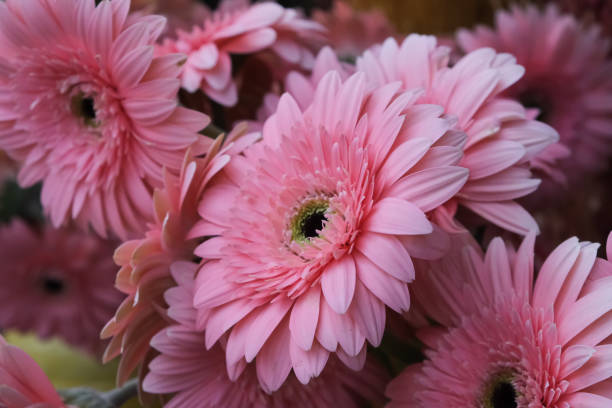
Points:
(500, 392)
(309, 220)
(53, 286)
(84, 107)
(503, 395)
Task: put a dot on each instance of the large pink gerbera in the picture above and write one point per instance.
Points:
(316, 228)
(89, 111)
(237, 27)
(198, 377)
(145, 263)
(509, 342)
(22, 382)
(56, 283)
(502, 140)
(568, 79)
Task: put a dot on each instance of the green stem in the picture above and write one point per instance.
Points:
(120, 396)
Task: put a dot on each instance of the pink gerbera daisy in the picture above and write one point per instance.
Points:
(568, 80)
(316, 228)
(351, 31)
(198, 378)
(145, 263)
(89, 111)
(22, 382)
(502, 140)
(509, 342)
(56, 283)
(237, 27)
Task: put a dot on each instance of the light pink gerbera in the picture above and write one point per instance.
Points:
(237, 27)
(89, 111)
(198, 377)
(510, 342)
(56, 283)
(502, 140)
(22, 382)
(181, 14)
(145, 263)
(350, 31)
(568, 80)
(316, 228)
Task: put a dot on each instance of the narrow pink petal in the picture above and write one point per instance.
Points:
(304, 318)
(430, 188)
(397, 216)
(388, 253)
(392, 292)
(268, 317)
(338, 283)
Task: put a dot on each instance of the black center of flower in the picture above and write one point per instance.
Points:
(313, 223)
(538, 100)
(309, 220)
(503, 395)
(53, 286)
(87, 109)
(84, 107)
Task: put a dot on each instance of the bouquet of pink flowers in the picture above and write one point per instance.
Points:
(306, 209)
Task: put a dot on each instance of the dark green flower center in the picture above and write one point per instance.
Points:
(309, 220)
(84, 107)
(501, 393)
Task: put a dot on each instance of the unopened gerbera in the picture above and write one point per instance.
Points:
(56, 282)
(237, 27)
(567, 81)
(198, 378)
(145, 263)
(507, 341)
(22, 382)
(316, 227)
(502, 140)
(89, 111)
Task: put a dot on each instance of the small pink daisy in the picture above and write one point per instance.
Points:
(502, 140)
(316, 227)
(237, 27)
(351, 31)
(145, 263)
(510, 342)
(22, 382)
(56, 283)
(198, 378)
(568, 82)
(89, 111)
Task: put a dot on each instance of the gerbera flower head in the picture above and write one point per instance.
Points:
(350, 31)
(502, 140)
(567, 81)
(237, 27)
(198, 377)
(24, 384)
(89, 111)
(56, 282)
(510, 342)
(145, 263)
(315, 229)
